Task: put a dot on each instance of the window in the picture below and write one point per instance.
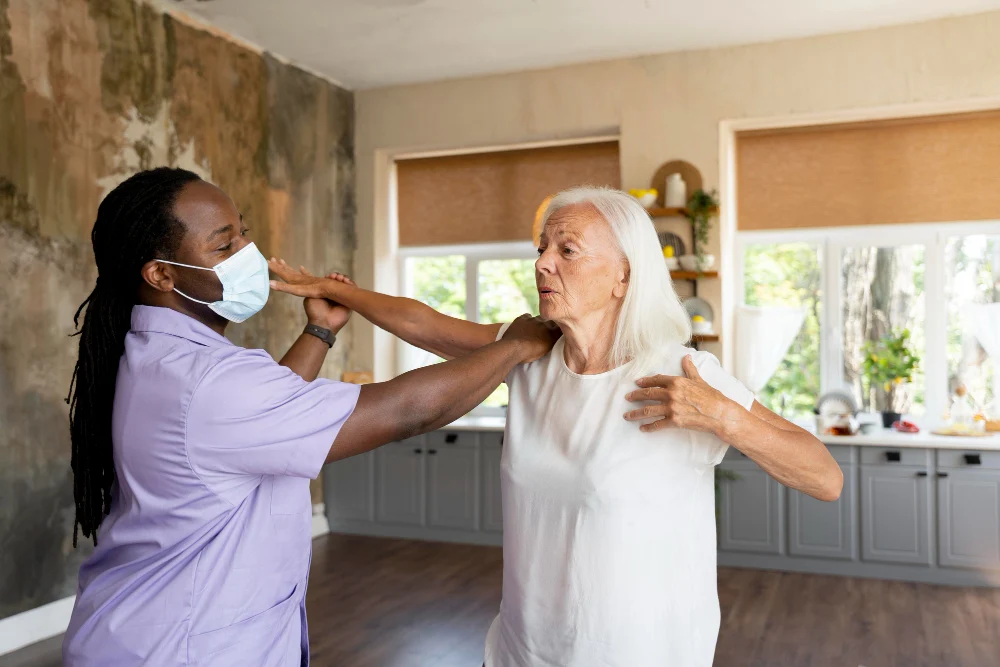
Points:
(486, 283)
(923, 278)
(972, 276)
(788, 274)
(882, 292)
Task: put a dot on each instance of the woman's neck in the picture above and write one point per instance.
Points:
(588, 344)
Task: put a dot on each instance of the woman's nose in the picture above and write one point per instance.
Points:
(544, 263)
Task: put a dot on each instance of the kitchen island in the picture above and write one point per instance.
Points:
(915, 507)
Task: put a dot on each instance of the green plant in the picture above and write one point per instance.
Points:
(888, 364)
(701, 210)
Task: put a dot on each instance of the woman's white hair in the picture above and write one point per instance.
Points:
(651, 316)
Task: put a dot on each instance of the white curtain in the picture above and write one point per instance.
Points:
(984, 319)
(763, 336)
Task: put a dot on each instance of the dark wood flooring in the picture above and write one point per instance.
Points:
(393, 603)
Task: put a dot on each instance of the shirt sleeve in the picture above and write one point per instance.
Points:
(711, 371)
(252, 416)
(503, 330)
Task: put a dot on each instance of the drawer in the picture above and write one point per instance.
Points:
(971, 459)
(842, 453)
(895, 456)
(439, 439)
(491, 438)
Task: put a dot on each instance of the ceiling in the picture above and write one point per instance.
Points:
(373, 43)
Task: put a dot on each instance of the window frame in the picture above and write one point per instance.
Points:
(473, 254)
(831, 242)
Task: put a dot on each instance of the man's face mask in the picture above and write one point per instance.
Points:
(245, 284)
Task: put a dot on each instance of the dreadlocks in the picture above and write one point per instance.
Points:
(135, 223)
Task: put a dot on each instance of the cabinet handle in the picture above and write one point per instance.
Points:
(451, 438)
(922, 473)
(418, 451)
(501, 441)
(973, 460)
(942, 474)
(892, 457)
(432, 451)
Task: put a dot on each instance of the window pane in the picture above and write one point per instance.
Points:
(883, 293)
(788, 274)
(440, 283)
(506, 291)
(972, 275)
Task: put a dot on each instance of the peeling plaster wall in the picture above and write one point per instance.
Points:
(90, 92)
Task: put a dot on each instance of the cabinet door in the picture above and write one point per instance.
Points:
(895, 514)
(347, 488)
(969, 518)
(750, 511)
(400, 482)
(451, 484)
(492, 499)
(822, 529)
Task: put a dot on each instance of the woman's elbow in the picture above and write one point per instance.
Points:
(831, 484)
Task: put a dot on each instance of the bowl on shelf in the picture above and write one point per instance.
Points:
(672, 263)
(700, 325)
(690, 262)
(646, 197)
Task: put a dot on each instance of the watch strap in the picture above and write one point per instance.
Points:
(324, 335)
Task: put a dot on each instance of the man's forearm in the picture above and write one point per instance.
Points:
(306, 356)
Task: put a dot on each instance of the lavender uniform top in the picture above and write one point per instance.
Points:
(204, 558)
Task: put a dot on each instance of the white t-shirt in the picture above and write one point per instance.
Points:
(608, 532)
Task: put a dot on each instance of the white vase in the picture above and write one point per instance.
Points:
(676, 196)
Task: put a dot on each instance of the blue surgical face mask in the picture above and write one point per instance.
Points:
(245, 284)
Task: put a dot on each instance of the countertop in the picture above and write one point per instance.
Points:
(883, 438)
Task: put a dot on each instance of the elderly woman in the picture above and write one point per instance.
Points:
(608, 503)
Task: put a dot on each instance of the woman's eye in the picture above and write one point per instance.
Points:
(245, 232)
(568, 251)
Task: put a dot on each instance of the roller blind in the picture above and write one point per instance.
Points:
(492, 197)
(929, 169)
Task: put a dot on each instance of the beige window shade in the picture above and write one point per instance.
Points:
(931, 169)
(491, 197)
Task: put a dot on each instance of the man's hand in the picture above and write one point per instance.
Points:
(681, 402)
(536, 335)
(321, 311)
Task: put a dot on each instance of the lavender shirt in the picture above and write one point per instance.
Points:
(204, 558)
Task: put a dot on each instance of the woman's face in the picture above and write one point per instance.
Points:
(580, 272)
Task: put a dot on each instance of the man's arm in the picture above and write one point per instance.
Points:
(431, 397)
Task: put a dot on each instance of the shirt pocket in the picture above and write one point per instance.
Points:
(290, 496)
(270, 637)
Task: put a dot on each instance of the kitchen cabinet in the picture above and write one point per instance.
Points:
(968, 489)
(750, 515)
(451, 483)
(895, 501)
(348, 488)
(820, 529)
(400, 482)
(492, 454)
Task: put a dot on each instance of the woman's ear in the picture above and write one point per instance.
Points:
(621, 286)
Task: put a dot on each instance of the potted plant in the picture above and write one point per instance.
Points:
(888, 366)
(701, 209)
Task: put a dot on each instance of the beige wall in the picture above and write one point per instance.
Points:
(664, 107)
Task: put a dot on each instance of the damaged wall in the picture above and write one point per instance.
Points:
(90, 92)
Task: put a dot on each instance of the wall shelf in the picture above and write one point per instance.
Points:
(692, 275)
(660, 212)
(705, 338)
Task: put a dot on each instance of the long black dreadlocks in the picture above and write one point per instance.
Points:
(135, 223)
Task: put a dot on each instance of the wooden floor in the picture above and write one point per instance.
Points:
(392, 603)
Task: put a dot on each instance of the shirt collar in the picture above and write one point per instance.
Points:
(174, 323)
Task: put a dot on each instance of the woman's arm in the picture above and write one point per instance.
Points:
(790, 454)
(434, 396)
(414, 322)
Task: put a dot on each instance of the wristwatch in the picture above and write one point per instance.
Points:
(324, 335)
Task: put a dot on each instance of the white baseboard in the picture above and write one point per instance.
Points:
(320, 524)
(35, 625)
